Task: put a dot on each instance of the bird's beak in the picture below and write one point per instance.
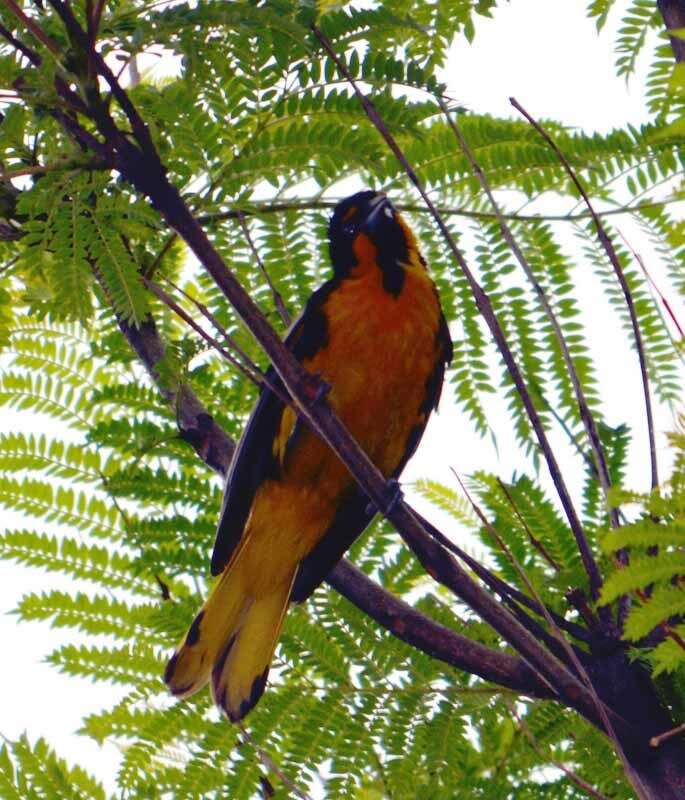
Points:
(379, 207)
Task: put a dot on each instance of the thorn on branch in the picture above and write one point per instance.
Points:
(163, 587)
(656, 741)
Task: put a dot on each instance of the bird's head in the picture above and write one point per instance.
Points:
(367, 229)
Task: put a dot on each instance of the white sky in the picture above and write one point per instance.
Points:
(549, 57)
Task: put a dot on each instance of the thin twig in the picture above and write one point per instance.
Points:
(673, 635)
(20, 46)
(584, 410)
(484, 305)
(37, 169)
(609, 249)
(32, 26)
(570, 774)
(652, 283)
(207, 314)
(537, 544)
(4, 270)
(138, 126)
(43, 169)
(552, 641)
(271, 765)
(150, 270)
(655, 741)
(500, 586)
(601, 707)
(270, 207)
(94, 20)
(82, 136)
(254, 376)
(275, 294)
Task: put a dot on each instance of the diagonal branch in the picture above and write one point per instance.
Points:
(584, 410)
(438, 641)
(573, 776)
(250, 371)
(29, 54)
(195, 423)
(32, 26)
(610, 250)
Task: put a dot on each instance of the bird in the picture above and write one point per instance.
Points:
(376, 335)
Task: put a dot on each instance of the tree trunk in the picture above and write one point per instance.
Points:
(673, 13)
(658, 773)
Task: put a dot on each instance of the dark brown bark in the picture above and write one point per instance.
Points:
(673, 13)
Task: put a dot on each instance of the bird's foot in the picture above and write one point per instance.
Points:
(392, 495)
(315, 388)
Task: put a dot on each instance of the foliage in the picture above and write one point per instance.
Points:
(254, 117)
(654, 575)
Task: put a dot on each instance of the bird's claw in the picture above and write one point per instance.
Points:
(392, 495)
(315, 388)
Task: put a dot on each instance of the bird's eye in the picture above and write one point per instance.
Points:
(349, 228)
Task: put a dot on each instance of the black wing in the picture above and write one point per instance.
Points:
(253, 461)
(355, 512)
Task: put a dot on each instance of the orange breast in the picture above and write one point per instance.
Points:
(380, 352)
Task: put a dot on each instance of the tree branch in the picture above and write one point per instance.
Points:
(500, 587)
(608, 245)
(271, 207)
(195, 423)
(32, 26)
(584, 409)
(673, 13)
(438, 641)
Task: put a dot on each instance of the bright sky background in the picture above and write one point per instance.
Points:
(546, 54)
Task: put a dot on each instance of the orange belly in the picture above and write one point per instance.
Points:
(380, 353)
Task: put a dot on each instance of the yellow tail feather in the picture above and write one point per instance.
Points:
(239, 674)
(232, 640)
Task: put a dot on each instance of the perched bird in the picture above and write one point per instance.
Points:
(376, 334)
